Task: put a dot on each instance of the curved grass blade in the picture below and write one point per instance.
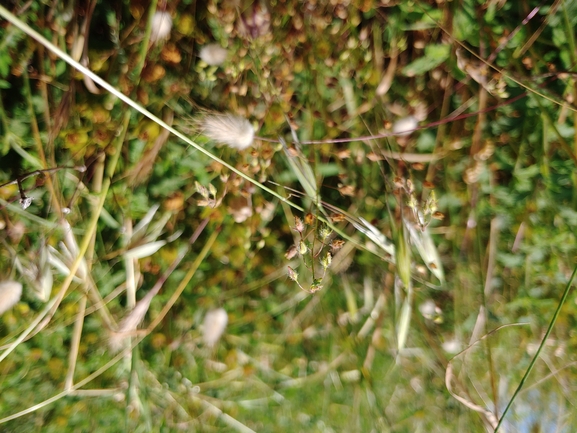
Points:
(405, 319)
(303, 171)
(374, 235)
(423, 241)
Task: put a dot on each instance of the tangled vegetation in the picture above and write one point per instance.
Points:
(283, 215)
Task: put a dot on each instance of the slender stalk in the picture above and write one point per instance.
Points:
(81, 313)
(493, 67)
(144, 46)
(199, 259)
(543, 341)
(569, 31)
(38, 140)
(75, 343)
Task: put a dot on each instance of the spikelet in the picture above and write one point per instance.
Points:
(213, 54)
(161, 27)
(127, 326)
(232, 130)
(10, 293)
(215, 323)
(405, 126)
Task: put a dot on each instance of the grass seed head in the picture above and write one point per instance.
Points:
(303, 249)
(161, 27)
(128, 325)
(213, 54)
(10, 293)
(291, 252)
(299, 225)
(292, 274)
(405, 126)
(215, 323)
(326, 260)
(234, 131)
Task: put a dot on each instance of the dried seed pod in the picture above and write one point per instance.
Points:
(299, 225)
(292, 274)
(291, 252)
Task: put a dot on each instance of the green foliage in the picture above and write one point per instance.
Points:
(354, 282)
(434, 56)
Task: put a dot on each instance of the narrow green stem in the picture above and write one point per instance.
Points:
(572, 47)
(136, 73)
(38, 139)
(543, 341)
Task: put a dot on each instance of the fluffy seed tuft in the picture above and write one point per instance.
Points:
(405, 126)
(213, 54)
(215, 323)
(10, 293)
(161, 26)
(234, 131)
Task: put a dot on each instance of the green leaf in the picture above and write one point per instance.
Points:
(5, 62)
(60, 68)
(465, 25)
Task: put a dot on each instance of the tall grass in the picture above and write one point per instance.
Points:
(411, 241)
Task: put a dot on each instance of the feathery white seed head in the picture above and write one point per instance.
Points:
(452, 346)
(405, 126)
(213, 54)
(161, 26)
(234, 131)
(215, 323)
(10, 293)
(428, 308)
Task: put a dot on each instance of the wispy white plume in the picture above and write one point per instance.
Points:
(10, 293)
(405, 126)
(428, 309)
(161, 26)
(213, 54)
(452, 346)
(215, 323)
(232, 130)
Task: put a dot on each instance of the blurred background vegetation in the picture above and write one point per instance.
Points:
(429, 163)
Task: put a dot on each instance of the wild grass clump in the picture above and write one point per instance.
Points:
(414, 155)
